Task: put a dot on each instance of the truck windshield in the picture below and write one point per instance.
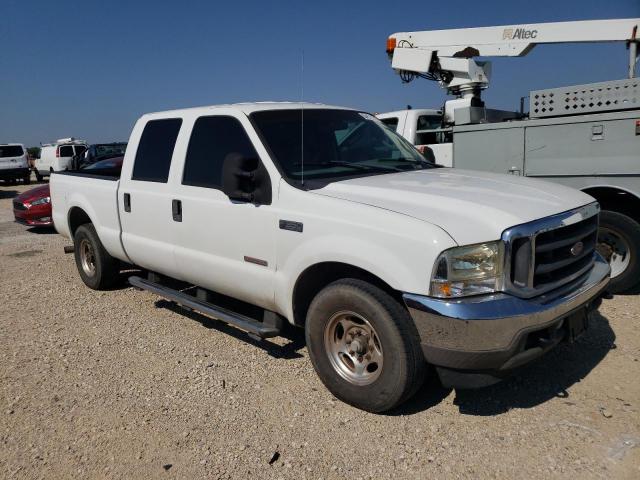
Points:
(110, 150)
(338, 144)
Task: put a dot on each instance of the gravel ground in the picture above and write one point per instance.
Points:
(120, 384)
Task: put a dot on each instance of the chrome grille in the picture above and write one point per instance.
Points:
(18, 205)
(547, 253)
(564, 252)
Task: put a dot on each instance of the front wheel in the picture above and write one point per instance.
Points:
(618, 243)
(364, 346)
(97, 268)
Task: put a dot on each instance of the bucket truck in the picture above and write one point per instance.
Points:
(585, 136)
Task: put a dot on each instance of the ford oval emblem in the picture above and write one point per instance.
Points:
(577, 249)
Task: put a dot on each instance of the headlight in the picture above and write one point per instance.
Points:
(468, 270)
(42, 201)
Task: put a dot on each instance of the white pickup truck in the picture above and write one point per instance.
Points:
(343, 228)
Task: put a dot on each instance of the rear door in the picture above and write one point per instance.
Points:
(224, 245)
(11, 156)
(144, 196)
(65, 154)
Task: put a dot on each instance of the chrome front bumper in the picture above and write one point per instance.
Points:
(486, 332)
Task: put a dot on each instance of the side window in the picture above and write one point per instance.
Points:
(155, 150)
(66, 151)
(80, 149)
(212, 140)
(425, 124)
(391, 122)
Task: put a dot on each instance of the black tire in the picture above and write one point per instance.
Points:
(629, 231)
(105, 270)
(403, 367)
(38, 176)
(27, 179)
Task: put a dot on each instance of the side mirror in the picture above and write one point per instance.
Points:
(245, 179)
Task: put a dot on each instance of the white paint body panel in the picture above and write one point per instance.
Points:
(393, 226)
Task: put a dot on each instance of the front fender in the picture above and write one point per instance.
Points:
(401, 255)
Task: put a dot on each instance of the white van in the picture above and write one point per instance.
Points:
(14, 163)
(56, 157)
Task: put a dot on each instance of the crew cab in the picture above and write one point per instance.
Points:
(341, 227)
(423, 128)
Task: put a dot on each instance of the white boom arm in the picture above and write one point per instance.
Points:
(447, 55)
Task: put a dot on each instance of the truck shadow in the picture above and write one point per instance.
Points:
(550, 377)
(288, 351)
(42, 230)
(8, 194)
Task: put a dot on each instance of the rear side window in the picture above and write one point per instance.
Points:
(10, 151)
(66, 151)
(155, 150)
(80, 149)
(429, 122)
(391, 122)
(212, 140)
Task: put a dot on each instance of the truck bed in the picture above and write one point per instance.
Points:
(98, 196)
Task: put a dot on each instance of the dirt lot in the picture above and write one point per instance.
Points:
(120, 384)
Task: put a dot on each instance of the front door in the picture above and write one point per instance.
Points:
(224, 245)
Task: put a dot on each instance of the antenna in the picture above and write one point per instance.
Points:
(302, 117)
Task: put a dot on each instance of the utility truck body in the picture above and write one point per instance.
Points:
(584, 136)
(341, 227)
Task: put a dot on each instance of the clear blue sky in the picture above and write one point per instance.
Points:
(90, 68)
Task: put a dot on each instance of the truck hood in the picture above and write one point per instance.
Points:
(470, 206)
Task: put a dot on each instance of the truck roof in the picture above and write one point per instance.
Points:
(248, 107)
(417, 111)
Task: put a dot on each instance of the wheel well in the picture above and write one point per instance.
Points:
(318, 276)
(77, 217)
(617, 200)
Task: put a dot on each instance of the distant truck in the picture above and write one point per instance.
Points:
(97, 152)
(389, 262)
(598, 153)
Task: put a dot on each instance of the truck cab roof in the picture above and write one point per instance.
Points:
(247, 108)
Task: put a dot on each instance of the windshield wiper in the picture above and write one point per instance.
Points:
(406, 160)
(356, 166)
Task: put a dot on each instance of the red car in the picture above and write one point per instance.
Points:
(33, 207)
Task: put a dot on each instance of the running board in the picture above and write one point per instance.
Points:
(271, 327)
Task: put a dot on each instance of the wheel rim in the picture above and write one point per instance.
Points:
(87, 257)
(615, 249)
(353, 347)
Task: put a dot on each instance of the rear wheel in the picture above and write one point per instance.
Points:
(618, 243)
(364, 346)
(97, 268)
(38, 176)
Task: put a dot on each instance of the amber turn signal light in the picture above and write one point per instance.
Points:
(391, 45)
